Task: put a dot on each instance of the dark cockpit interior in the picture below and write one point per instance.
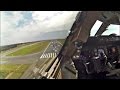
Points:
(92, 57)
(99, 58)
(89, 57)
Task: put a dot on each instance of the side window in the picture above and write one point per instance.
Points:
(95, 27)
(112, 29)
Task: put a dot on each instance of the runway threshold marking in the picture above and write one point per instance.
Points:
(45, 49)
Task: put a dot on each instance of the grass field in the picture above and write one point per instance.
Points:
(12, 71)
(62, 41)
(30, 49)
(18, 46)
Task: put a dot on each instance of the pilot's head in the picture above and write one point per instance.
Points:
(113, 49)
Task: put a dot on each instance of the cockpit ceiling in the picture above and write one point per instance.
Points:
(107, 14)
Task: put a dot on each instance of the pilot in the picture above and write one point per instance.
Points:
(103, 58)
(80, 66)
(113, 57)
(96, 61)
(98, 65)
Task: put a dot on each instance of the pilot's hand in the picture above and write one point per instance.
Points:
(109, 64)
(115, 62)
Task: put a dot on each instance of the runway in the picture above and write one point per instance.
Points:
(51, 51)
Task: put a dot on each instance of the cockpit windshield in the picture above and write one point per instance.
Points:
(95, 27)
(112, 29)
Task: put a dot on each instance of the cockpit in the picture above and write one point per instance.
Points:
(99, 58)
(86, 56)
(92, 56)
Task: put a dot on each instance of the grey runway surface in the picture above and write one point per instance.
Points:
(27, 59)
(50, 49)
(53, 47)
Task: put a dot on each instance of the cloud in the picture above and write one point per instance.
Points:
(54, 20)
(23, 26)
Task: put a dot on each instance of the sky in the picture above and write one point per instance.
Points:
(25, 26)
(111, 29)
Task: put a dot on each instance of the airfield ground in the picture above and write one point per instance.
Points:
(30, 49)
(12, 71)
(19, 59)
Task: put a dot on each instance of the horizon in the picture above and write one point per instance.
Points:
(30, 26)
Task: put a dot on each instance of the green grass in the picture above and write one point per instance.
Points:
(62, 41)
(8, 67)
(18, 73)
(3, 74)
(16, 69)
(15, 76)
(30, 49)
(18, 46)
(5, 69)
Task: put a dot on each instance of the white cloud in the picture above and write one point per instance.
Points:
(54, 19)
(41, 22)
